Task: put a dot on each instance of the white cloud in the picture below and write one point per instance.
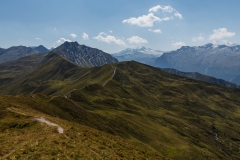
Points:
(163, 8)
(167, 18)
(155, 8)
(143, 21)
(199, 38)
(149, 19)
(155, 30)
(178, 44)
(73, 35)
(62, 40)
(177, 14)
(38, 39)
(110, 31)
(137, 40)
(109, 39)
(220, 34)
(168, 9)
(85, 36)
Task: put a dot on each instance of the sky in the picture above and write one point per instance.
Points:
(114, 25)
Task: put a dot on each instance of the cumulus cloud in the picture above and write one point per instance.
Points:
(73, 35)
(110, 31)
(85, 36)
(163, 8)
(178, 44)
(220, 34)
(168, 9)
(199, 38)
(62, 40)
(143, 21)
(137, 40)
(155, 30)
(177, 14)
(109, 39)
(149, 19)
(38, 39)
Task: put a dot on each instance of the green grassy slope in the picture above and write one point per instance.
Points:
(177, 117)
(23, 138)
(56, 76)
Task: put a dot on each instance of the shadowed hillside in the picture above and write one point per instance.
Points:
(12, 69)
(56, 75)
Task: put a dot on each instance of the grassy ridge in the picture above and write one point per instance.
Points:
(177, 117)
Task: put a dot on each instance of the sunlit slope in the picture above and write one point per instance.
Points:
(177, 117)
(22, 137)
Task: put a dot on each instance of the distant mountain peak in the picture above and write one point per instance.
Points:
(17, 52)
(141, 48)
(208, 45)
(41, 49)
(140, 54)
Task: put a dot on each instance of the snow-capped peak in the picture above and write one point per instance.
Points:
(215, 46)
(137, 51)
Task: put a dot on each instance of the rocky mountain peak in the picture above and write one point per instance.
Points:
(83, 55)
(41, 49)
(70, 44)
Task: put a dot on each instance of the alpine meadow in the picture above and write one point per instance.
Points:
(81, 80)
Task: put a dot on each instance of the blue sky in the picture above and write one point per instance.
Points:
(113, 25)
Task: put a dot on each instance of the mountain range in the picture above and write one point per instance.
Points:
(14, 53)
(142, 55)
(55, 108)
(81, 55)
(220, 61)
